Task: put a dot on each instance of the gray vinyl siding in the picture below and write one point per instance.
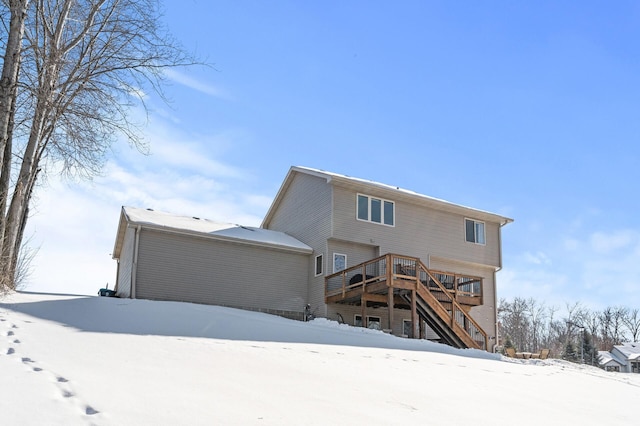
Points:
(125, 263)
(304, 212)
(418, 231)
(200, 270)
(485, 314)
(356, 253)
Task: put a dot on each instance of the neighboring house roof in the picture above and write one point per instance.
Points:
(631, 351)
(148, 218)
(607, 358)
(364, 185)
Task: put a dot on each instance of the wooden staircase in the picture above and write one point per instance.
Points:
(405, 282)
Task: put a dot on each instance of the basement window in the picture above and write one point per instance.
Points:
(407, 328)
(373, 322)
(474, 231)
(376, 210)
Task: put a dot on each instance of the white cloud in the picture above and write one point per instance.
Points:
(75, 224)
(538, 258)
(192, 83)
(597, 269)
(602, 242)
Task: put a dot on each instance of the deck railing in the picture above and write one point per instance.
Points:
(444, 286)
(360, 275)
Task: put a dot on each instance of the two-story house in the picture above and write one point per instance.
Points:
(343, 248)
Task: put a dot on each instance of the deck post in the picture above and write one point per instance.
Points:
(415, 333)
(363, 310)
(390, 306)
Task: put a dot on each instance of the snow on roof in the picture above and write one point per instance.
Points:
(326, 174)
(211, 228)
(631, 350)
(607, 357)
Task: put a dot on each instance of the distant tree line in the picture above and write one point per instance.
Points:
(529, 325)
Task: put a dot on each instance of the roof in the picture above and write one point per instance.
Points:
(364, 185)
(148, 218)
(607, 358)
(631, 350)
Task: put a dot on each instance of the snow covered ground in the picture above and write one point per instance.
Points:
(76, 360)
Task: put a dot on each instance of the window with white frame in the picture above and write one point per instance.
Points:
(339, 262)
(407, 328)
(376, 210)
(372, 322)
(319, 264)
(474, 231)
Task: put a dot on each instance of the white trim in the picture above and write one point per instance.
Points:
(382, 202)
(334, 262)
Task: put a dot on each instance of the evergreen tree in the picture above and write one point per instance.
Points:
(570, 353)
(507, 344)
(591, 356)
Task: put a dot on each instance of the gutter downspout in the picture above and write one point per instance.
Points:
(134, 268)
(495, 283)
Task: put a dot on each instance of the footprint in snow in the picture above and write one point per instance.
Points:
(10, 333)
(16, 341)
(90, 411)
(11, 351)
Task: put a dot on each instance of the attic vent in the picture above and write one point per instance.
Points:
(150, 210)
(196, 218)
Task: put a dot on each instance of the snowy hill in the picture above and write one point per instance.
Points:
(75, 360)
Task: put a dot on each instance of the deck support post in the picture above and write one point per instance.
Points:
(363, 310)
(390, 306)
(415, 333)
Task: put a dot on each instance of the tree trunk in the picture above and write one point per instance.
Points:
(8, 95)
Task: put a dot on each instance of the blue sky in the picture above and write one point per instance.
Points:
(526, 109)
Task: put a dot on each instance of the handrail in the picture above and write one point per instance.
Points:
(392, 267)
(377, 266)
(472, 328)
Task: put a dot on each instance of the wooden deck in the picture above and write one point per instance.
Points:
(441, 299)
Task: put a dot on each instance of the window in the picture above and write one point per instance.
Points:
(407, 328)
(372, 322)
(375, 210)
(319, 264)
(474, 231)
(339, 262)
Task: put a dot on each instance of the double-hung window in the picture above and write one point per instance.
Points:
(474, 231)
(376, 210)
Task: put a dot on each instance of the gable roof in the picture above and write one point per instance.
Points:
(364, 185)
(607, 358)
(151, 219)
(630, 350)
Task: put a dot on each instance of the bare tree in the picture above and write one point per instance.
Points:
(515, 322)
(632, 321)
(16, 16)
(537, 314)
(82, 65)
